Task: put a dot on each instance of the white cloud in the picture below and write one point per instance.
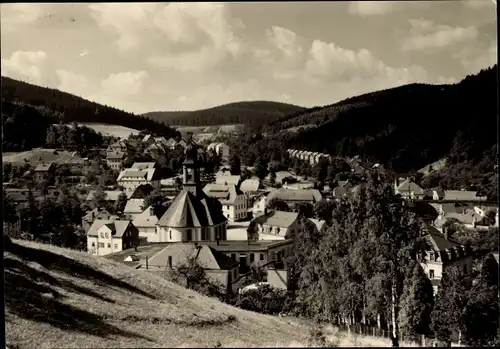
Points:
(73, 83)
(125, 84)
(480, 4)
(13, 16)
(473, 60)
(371, 8)
(25, 65)
(426, 35)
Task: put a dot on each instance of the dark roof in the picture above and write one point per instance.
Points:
(222, 260)
(115, 155)
(189, 210)
(243, 245)
(142, 191)
(43, 167)
(438, 241)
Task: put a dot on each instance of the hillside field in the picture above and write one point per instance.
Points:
(110, 130)
(60, 298)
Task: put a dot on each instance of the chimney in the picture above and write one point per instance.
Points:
(151, 210)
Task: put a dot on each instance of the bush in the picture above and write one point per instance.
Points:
(264, 299)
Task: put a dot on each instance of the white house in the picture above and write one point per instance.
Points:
(409, 189)
(442, 252)
(110, 236)
(227, 179)
(257, 204)
(130, 179)
(233, 200)
(146, 225)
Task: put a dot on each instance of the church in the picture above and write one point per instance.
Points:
(193, 216)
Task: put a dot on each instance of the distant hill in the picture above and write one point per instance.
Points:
(248, 113)
(406, 127)
(65, 107)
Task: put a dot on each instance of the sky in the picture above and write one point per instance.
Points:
(142, 57)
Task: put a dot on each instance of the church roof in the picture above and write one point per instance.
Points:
(188, 211)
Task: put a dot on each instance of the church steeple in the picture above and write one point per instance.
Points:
(190, 170)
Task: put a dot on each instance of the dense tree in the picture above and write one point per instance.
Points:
(235, 164)
(416, 305)
(121, 202)
(482, 310)
(260, 168)
(278, 205)
(323, 210)
(448, 313)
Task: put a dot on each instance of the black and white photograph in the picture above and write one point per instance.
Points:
(250, 174)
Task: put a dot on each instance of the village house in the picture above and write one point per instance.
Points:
(442, 252)
(155, 150)
(146, 225)
(96, 214)
(192, 216)
(171, 187)
(219, 268)
(221, 149)
(469, 218)
(110, 236)
(294, 197)
(44, 172)
(257, 203)
(282, 177)
(131, 178)
(115, 160)
(408, 189)
(147, 139)
(233, 200)
(119, 146)
(299, 185)
(171, 143)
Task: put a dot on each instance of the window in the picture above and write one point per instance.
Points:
(432, 256)
(170, 261)
(106, 235)
(431, 273)
(170, 234)
(252, 257)
(93, 244)
(101, 244)
(203, 233)
(116, 246)
(262, 256)
(109, 245)
(102, 234)
(189, 235)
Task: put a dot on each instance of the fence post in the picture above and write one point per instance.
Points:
(146, 262)
(374, 332)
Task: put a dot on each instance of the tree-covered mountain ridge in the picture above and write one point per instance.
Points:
(65, 107)
(248, 113)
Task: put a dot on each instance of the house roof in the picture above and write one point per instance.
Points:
(171, 142)
(281, 175)
(244, 245)
(295, 195)
(118, 227)
(277, 219)
(469, 217)
(90, 215)
(251, 184)
(111, 195)
(408, 186)
(43, 167)
(437, 240)
(206, 256)
(146, 138)
(438, 192)
(142, 191)
(149, 174)
(134, 206)
(226, 194)
(143, 165)
(169, 181)
(188, 210)
(462, 195)
(225, 179)
(115, 155)
(145, 219)
(447, 207)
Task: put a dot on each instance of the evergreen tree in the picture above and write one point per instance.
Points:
(447, 317)
(121, 202)
(235, 164)
(482, 310)
(416, 305)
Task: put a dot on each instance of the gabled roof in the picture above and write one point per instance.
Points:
(318, 223)
(171, 142)
(145, 219)
(295, 195)
(410, 187)
(146, 138)
(89, 216)
(115, 155)
(250, 184)
(277, 219)
(226, 194)
(208, 257)
(187, 211)
(118, 227)
(470, 217)
(437, 240)
(142, 191)
(462, 195)
(149, 174)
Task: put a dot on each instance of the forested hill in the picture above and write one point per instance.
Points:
(248, 113)
(67, 107)
(406, 127)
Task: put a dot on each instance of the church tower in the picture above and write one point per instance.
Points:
(190, 169)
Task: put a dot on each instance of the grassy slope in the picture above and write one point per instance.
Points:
(57, 298)
(239, 112)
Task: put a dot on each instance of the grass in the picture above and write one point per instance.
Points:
(60, 298)
(111, 130)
